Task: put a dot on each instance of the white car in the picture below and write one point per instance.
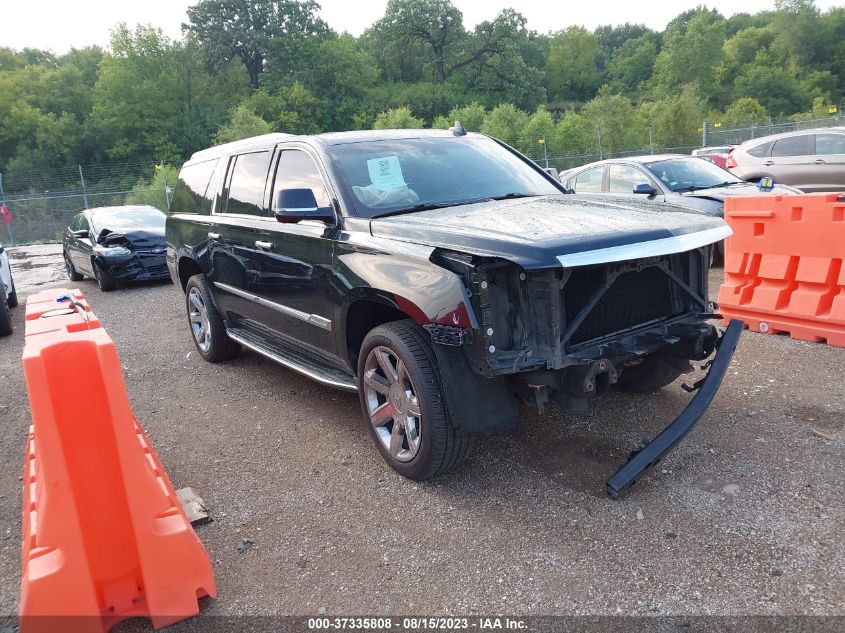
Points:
(8, 296)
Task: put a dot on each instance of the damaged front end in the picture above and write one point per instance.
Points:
(125, 259)
(569, 334)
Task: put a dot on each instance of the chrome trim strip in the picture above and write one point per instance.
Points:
(351, 387)
(653, 248)
(313, 319)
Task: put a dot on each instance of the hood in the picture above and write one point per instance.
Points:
(140, 239)
(743, 189)
(547, 231)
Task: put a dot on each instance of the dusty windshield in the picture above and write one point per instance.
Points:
(689, 174)
(390, 176)
(128, 219)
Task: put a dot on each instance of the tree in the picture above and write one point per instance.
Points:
(243, 29)
(613, 119)
(242, 123)
(573, 135)
(435, 30)
(505, 122)
(471, 116)
(397, 119)
(744, 111)
(539, 126)
(691, 53)
(632, 64)
(572, 72)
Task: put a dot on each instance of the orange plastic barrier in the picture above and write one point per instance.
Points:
(104, 536)
(784, 268)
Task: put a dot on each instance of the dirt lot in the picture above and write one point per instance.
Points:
(747, 516)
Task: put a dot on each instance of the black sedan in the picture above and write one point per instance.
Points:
(116, 244)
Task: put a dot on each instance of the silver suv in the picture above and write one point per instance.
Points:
(812, 160)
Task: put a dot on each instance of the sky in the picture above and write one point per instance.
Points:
(79, 23)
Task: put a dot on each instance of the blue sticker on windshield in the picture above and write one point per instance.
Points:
(767, 183)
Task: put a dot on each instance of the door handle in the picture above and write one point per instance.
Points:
(214, 236)
(264, 246)
(767, 163)
(818, 161)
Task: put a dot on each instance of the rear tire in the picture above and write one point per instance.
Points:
(5, 316)
(104, 280)
(652, 374)
(401, 395)
(13, 298)
(72, 274)
(207, 327)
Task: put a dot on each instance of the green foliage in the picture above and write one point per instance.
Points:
(397, 118)
(613, 119)
(242, 123)
(153, 191)
(572, 72)
(742, 112)
(471, 117)
(244, 29)
(505, 122)
(539, 126)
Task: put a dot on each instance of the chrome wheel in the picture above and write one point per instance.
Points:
(392, 404)
(198, 316)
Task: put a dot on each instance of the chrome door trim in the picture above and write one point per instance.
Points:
(313, 319)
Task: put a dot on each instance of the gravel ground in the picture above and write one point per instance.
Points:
(745, 517)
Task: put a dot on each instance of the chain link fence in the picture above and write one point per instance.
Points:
(713, 136)
(42, 203)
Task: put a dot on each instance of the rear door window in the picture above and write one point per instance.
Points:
(792, 146)
(248, 175)
(623, 178)
(589, 181)
(827, 144)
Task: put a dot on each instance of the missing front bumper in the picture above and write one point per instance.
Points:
(661, 445)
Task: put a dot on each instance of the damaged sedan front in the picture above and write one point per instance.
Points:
(115, 245)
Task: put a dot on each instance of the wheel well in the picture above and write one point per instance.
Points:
(362, 317)
(187, 268)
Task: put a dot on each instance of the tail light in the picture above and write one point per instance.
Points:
(730, 163)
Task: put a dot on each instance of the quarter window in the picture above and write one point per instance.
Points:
(297, 170)
(589, 181)
(190, 194)
(791, 146)
(623, 178)
(827, 144)
(760, 150)
(246, 184)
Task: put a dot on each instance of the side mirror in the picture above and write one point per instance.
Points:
(294, 205)
(645, 189)
(80, 233)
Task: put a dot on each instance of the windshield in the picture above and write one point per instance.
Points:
(412, 174)
(128, 219)
(689, 174)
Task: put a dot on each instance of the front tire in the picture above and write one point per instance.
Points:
(402, 399)
(104, 280)
(207, 327)
(13, 297)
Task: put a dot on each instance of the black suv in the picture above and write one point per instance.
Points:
(444, 277)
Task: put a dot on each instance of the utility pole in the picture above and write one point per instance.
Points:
(84, 192)
(545, 151)
(601, 152)
(167, 189)
(3, 204)
(705, 134)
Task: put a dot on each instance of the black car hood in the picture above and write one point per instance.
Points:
(546, 231)
(139, 239)
(742, 189)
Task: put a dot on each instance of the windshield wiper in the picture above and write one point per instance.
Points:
(426, 206)
(512, 195)
(726, 183)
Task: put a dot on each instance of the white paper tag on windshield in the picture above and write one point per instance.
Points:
(385, 172)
